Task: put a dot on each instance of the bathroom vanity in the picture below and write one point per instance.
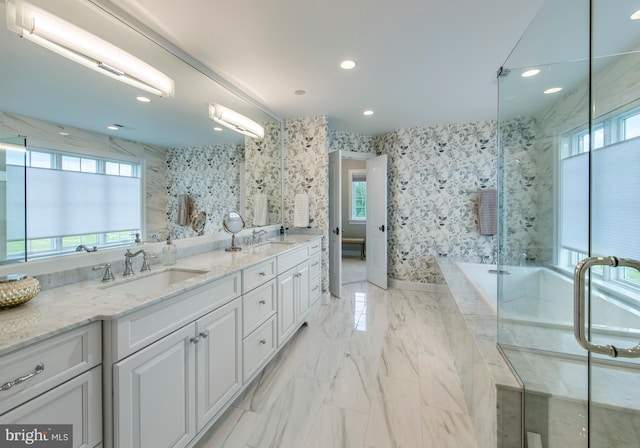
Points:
(155, 367)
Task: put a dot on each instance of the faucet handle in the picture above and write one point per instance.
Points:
(145, 261)
(108, 275)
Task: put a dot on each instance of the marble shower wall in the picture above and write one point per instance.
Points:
(263, 172)
(210, 176)
(306, 161)
(435, 175)
(46, 134)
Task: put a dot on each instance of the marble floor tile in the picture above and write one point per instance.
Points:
(373, 369)
(444, 429)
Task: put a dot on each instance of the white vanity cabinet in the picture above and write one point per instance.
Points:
(293, 292)
(56, 381)
(166, 392)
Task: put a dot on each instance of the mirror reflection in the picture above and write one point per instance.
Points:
(131, 159)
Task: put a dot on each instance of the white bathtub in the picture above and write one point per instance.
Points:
(542, 295)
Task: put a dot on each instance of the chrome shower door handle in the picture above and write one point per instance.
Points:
(579, 308)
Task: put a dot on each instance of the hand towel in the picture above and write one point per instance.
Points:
(260, 210)
(301, 210)
(488, 212)
(184, 210)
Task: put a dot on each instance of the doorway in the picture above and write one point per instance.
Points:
(358, 223)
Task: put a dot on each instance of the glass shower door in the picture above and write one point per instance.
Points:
(614, 223)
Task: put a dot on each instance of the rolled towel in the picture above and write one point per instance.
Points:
(260, 210)
(488, 212)
(301, 210)
(184, 210)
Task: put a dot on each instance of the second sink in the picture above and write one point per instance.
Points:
(141, 286)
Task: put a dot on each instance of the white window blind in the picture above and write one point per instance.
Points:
(64, 203)
(615, 206)
(574, 206)
(615, 216)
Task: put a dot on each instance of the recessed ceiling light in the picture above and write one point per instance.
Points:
(529, 73)
(348, 64)
(63, 133)
(635, 15)
(299, 92)
(218, 128)
(114, 127)
(143, 99)
(367, 112)
(552, 90)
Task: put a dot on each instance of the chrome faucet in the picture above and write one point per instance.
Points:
(258, 234)
(82, 247)
(522, 258)
(128, 268)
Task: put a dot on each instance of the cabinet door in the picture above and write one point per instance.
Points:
(77, 402)
(219, 363)
(154, 394)
(303, 301)
(286, 305)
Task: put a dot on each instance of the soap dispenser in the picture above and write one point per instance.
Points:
(169, 252)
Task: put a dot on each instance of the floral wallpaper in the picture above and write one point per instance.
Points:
(346, 141)
(435, 175)
(209, 175)
(306, 149)
(262, 171)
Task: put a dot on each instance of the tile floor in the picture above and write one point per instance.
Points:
(372, 370)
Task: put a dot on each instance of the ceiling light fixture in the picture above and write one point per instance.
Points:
(114, 127)
(348, 64)
(143, 99)
(367, 112)
(63, 133)
(217, 129)
(552, 90)
(530, 73)
(635, 15)
(236, 121)
(80, 46)
(299, 92)
(12, 147)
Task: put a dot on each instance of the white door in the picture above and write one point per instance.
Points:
(335, 222)
(377, 221)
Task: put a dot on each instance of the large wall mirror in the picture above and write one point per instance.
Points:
(64, 108)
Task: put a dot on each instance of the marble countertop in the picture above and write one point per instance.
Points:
(61, 309)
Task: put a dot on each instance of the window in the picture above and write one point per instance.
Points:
(358, 196)
(75, 200)
(606, 175)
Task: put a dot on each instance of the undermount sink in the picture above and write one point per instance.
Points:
(268, 245)
(155, 281)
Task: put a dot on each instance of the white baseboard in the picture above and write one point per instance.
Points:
(418, 286)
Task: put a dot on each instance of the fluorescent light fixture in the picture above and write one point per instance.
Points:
(234, 120)
(13, 147)
(552, 90)
(78, 45)
(530, 73)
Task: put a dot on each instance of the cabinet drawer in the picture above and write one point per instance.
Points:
(256, 275)
(257, 306)
(314, 247)
(314, 265)
(77, 402)
(63, 357)
(258, 347)
(141, 328)
(315, 288)
(290, 259)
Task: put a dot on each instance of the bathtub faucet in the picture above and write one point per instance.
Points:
(522, 258)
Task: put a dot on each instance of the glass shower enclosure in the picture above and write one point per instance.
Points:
(569, 236)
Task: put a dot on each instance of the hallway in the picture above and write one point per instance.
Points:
(372, 370)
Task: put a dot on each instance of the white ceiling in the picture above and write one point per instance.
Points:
(420, 62)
